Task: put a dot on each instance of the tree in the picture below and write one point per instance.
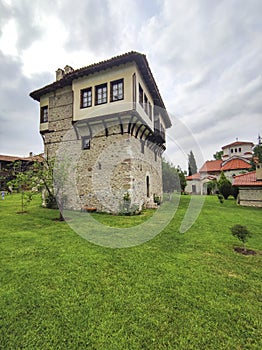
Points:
(54, 186)
(234, 191)
(211, 186)
(218, 155)
(192, 167)
(173, 178)
(224, 186)
(24, 182)
(257, 154)
(182, 178)
(242, 233)
(169, 177)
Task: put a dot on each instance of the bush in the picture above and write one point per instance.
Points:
(220, 198)
(157, 200)
(224, 186)
(234, 191)
(225, 189)
(241, 232)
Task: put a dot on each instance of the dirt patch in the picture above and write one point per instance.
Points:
(245, 252)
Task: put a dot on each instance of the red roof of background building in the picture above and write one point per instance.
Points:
(248, 179)
(238, 143)
(211, 166)
(236, 164)
(193, 177)
(6, 158)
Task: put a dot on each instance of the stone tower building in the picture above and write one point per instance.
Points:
(110, 119)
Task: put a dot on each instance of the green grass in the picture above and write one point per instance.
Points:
(177, 291)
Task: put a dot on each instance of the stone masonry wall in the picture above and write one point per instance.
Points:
(114, 165)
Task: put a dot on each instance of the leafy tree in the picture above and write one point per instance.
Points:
(169, 177)
(242, 233)
(25, 183)
(192, 167)
(173, 178)
(211, 186)
(218, 155)
(258, 150)
(224, 186)
(182, 178)
(54, 186)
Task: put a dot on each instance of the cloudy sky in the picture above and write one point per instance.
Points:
(205, 56)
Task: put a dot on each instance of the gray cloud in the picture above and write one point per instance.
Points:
(19, 115)
(205, 56)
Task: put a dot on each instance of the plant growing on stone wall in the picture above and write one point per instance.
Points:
(157, 199)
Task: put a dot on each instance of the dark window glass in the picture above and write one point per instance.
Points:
(101, 94)
(86, 98)
(146, 104)
(44, 114)
(117, 90)
(85, 142)
(140, 95)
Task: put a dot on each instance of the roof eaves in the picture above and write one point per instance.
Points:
(138, 58)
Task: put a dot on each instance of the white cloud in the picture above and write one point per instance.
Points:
(205, 56)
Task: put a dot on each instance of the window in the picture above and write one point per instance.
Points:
(86, 98)
(44, 114)
(85, 142)
(142, 146)
(101, 94)
(147, 187)
(232, 150)
(117, 90)
(140, 95)
(146, 103)
(150, 110)
(239, 150)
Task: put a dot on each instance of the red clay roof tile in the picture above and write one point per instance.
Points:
(236, 164)
(248, 179)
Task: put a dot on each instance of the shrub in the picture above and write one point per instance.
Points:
(242, 233)
(220, 198)
(224, 186)
(157, 199)
(234, 191)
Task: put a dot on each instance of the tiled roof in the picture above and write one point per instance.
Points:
(133, 56)
(248, 179)
(6, 158)
(193, 177)
(238, 143)
(211, 166)
(236, 164)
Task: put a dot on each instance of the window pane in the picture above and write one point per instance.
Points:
(86, 98)
(116, 90)
(44, 114)
(101, 94)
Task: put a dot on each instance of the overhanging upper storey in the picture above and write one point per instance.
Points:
(106, 87)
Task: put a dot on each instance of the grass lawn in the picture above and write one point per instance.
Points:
(177, 291)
